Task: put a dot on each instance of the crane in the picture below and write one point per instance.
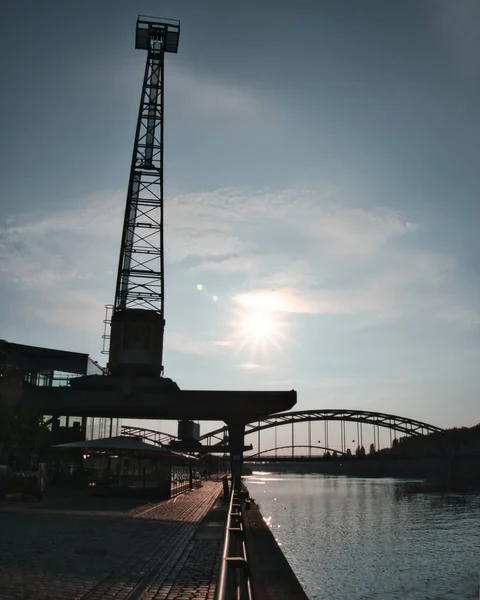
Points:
(135, 386)
(137, 320)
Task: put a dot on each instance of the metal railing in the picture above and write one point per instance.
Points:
(235, 580)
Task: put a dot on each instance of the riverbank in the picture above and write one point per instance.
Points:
(460, 472)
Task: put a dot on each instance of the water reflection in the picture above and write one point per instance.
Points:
(385, 539)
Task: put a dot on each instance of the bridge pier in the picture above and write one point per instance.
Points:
(236, 434)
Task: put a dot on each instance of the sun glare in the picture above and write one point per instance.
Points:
(258, 331)
(258, 326)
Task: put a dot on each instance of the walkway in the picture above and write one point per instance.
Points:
(99, 549)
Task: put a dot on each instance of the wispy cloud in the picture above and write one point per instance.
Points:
(72, 309)
(274, 300)
(287, 223)
(201, 96)
(39, 250)
(223, 343)
(464, 317)
(63, 262)
(253, 367)
(303, 251)
(297, 251)
(187, 344)
(306, 383)
(395, 283)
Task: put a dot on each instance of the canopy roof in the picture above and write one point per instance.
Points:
(126, 445)
(40, 360)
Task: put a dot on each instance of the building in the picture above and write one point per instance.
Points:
(22, 365)
(125, 465)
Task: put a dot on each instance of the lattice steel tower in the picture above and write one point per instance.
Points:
(137, 325)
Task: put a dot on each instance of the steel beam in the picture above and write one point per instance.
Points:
(135, 401)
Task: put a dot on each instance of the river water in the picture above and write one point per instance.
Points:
(365, 539)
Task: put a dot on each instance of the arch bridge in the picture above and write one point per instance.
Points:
(259, 455)
(376, 421)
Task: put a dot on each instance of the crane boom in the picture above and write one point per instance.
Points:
(136, 342)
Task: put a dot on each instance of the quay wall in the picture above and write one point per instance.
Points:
(272, 575)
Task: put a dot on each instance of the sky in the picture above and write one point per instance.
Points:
(322, 185)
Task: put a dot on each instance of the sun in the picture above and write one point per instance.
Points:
(258, 331)
(259, 327)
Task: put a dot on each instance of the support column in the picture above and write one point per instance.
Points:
(236, 432)
(309, 439)
(293, 441)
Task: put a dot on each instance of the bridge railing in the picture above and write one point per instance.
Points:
(234, 581)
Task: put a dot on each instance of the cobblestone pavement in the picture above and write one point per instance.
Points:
(102, 549)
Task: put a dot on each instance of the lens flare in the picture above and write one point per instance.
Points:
(258, 331)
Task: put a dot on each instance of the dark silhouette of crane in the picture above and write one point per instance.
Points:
(138, 321)
(135, 386)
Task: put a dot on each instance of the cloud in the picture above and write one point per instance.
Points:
(38, 250)
(72, 309)
(288, 223)
(200, 96)
(399, 282)
(253, 367)
(463, 317)
(306, 383)
(194, 260)
(64, 262)
(273, 300)
(186, 344)
(302, 251)
(291, 251)
(223, 343)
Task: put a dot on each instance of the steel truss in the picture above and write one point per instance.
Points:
(392, 422)
(258, 455)
(149, 435)
(140, 280)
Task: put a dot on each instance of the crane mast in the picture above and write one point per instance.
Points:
(138, 322)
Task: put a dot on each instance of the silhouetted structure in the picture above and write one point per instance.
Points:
(24, 368)
(134, 386)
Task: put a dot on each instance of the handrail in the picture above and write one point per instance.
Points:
(235, 580)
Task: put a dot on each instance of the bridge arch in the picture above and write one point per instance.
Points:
(395, 423)
(258, 455)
